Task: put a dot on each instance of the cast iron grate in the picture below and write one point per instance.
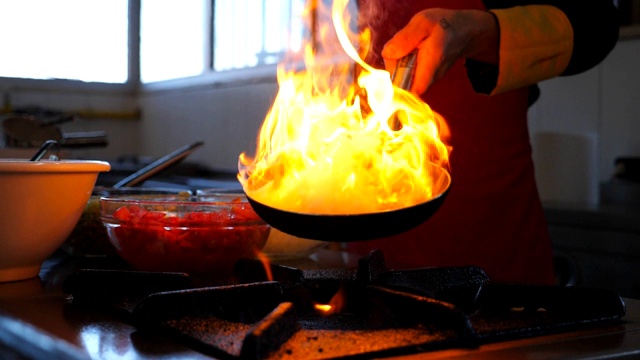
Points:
(384, 312)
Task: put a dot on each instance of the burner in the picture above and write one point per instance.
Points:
(383, 312)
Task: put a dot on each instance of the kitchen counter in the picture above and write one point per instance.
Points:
(597, 245)
(36, 321)
(603, 217)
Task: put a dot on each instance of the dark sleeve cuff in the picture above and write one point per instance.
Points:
(483, 76)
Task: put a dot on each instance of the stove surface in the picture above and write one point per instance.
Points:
(37, 313)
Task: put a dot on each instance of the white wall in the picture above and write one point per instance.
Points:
(582, 123)
(226, 118)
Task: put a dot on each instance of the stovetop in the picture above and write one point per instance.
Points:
(143, 325)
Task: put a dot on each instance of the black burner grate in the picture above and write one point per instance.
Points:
(385, 312)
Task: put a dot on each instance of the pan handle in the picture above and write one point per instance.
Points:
(158, 165)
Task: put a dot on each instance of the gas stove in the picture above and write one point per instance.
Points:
(362, 312)
(98, 308)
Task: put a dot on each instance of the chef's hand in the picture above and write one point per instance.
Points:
(442, 37)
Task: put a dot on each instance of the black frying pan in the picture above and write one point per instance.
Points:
(356, 227)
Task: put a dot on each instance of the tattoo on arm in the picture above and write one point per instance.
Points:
(444, 24)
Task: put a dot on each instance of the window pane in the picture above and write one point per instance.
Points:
(172, 43)
(249, 33)
(67, 39)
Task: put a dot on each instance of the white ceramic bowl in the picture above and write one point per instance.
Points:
(40, 203)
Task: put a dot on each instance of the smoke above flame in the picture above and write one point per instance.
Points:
(326, 145)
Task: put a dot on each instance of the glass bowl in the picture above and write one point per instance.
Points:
(89, 236)
(199, 235)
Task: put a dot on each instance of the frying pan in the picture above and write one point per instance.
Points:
(354, 227)
(368, 226)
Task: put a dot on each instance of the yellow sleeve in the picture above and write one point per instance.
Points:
(536, 43)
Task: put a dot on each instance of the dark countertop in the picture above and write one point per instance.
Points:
(37, 312)
(597, 245)
(618, 210)
(607, 217)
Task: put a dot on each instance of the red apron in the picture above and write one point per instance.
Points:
(492, 216)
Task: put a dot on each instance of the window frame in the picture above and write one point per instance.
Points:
(210, 78)
(133, 85)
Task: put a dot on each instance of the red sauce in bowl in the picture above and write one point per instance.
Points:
(198, 242)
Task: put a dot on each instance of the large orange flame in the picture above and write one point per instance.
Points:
(326, 146)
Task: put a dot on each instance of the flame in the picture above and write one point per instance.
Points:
(325, 308)
(335, 305)
(326, 146)
(264, 260)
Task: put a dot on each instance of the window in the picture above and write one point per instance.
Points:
(68, 39)
(180, 38)
(172, 39)
(249, 33)
(89, 40)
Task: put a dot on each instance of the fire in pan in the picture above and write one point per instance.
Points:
(354, 227)
(346, 152)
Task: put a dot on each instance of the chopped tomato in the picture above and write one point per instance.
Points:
(122, 214)
(196, 242)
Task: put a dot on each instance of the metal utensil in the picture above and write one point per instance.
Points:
(43, 150)
(402, 77)
(27, 130)
(158, 165)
